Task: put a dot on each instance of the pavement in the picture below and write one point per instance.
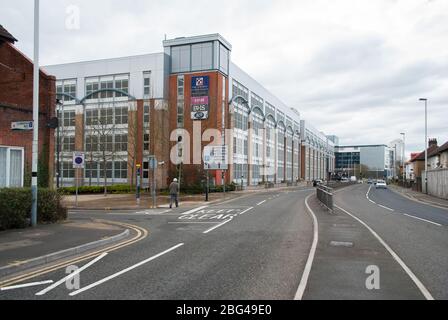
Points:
(19, 246)
(129, 201)
(420, 197)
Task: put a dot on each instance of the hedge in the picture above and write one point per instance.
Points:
(115, 189)
(15, 207)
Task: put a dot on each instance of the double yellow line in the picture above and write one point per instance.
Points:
(141, 234)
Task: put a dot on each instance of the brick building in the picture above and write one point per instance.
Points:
(122, 111)
(16, 105)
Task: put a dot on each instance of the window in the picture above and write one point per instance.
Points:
(91, 170)
(121, 170)
(106, 116)
(68, 144)
(117, 82)
(147, 84)
(223, 59)
(202, 56)
(11, 167)
(109, 171)
(122, 85)
(91, 87)
(121, 143)
(92, 143)
(146, 142)
(67, 170)
(121, 115)
(106, 143)
(180, 101)
(180, 59)
(91, 117)
(68, 88)
(69, 118)
(146, 114)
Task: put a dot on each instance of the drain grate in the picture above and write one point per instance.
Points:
(342, 244)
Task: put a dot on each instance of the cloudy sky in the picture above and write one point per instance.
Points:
(354, 68)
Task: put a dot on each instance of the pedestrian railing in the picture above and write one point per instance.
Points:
(325, 196)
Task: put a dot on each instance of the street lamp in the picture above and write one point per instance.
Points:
(426, 141)
(403, 156)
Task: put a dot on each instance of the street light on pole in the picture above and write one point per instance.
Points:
(403, 156)
(35, 115)
(426, 141)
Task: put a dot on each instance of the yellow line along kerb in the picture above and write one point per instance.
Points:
(141, 234)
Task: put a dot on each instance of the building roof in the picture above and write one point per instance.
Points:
(433, 150)
(6, 36)
(443, 148)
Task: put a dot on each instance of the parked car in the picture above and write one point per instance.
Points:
(345, 180)
(370, 181)
(381, 184)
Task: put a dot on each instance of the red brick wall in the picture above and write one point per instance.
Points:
(16, 104)
(192, 174)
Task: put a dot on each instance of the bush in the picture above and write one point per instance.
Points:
(116, 189)
(15, 207)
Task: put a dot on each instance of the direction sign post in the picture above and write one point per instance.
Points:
(78, 163)
(153, 166)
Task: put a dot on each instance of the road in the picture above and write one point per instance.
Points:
(416, 232)
(263, 246)
(254, 247)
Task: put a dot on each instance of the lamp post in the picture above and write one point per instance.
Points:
(426, 141)
(35, 115)
(403, 156)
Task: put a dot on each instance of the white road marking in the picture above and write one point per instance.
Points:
(384, 207)
(26, 285)
(93, 285)
(368, 198)
(421, 219)
(71, 275)
(245, 211)
(413, 277)
(218, 226)
(194, 210)
(259, 204)
(407, 215)
(189, 222)
(309, 263)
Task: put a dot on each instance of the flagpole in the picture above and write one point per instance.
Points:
(35, 115)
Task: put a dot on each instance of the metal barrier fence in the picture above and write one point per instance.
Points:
(325, 196)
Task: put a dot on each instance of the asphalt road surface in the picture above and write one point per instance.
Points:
(253, 247)
(263, 246)
(417, 233)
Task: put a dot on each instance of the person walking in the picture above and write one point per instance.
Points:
(174, 193)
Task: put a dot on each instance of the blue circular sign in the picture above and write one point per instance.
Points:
(79, 160)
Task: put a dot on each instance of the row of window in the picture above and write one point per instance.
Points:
(67, 89)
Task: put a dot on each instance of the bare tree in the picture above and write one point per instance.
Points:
(100, 139)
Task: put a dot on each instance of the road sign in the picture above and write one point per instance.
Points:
(22, 125)
(216, 158)
(79, 160)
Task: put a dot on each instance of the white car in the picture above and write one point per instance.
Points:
(381, 184)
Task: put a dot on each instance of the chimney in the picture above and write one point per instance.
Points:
(432, 143)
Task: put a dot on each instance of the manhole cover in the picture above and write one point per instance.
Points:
(341, 244)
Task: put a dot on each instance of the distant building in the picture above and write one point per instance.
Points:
(418, 163)
(366, 161)
(16, 105)
(150, 105)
